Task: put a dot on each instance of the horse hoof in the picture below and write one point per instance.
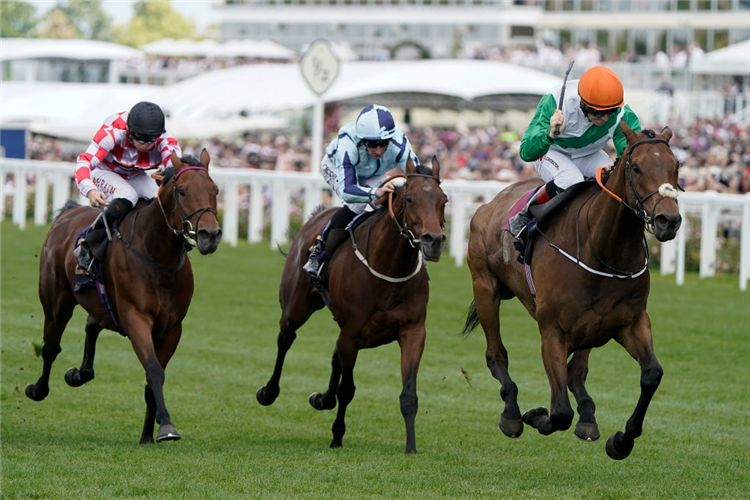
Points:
(167, 433)
(611, 447)
(512, 428)
(336, 444)
(265, 397)
(316, 401)
(34, 394)
(532, 417)
(587, 431)
(76, 378)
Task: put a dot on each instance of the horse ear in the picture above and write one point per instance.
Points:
(666, 133)
(435, 168)
(630, 136)
(176, 163)
(410, 168)
(205, 158)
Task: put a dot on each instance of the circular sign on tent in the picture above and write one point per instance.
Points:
(319, 66)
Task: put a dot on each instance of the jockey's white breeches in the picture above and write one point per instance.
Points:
(141, 185)
(566, 171)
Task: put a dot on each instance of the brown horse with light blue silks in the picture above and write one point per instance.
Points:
(147, 282)
(378, 292)
(587, 283)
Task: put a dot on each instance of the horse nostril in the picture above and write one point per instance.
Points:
(427, 239)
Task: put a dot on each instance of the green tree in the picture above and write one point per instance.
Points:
(153, 21)
(57, 24)
(17, 19)
(89, 19)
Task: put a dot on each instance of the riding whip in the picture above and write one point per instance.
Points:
(562, 94)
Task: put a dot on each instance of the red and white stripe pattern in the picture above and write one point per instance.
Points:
(111, 149)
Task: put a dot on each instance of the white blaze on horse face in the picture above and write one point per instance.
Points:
(427, 189)
(668, 191)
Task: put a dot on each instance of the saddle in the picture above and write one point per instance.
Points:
(540, 214)
(336, 237)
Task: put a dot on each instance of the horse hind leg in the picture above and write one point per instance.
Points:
(487, 307)
(54, 326)
(76, 377)
(327, 400)
(586, 429)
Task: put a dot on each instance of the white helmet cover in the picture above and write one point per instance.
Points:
(375, 122)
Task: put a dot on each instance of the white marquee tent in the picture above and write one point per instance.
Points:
(251, 49)
(731, 60)
(249, 97)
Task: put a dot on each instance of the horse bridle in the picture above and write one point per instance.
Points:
(403, 228)
(190, 235)
(664, 191)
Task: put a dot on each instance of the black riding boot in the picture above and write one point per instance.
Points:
(340, 220)
(94, 243)
(517, 223)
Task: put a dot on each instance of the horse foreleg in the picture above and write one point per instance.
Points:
(147, 436)
(639, 345)
(267, 394)
(143, 345)
(57, 313)
(327, 400)
(578, 368)
(345, 393)
(77, 377)
(560, 417)
(487, 303)
(412, 347)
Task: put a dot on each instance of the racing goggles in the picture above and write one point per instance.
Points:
(144, 139)
(369, 143)
(598, 113)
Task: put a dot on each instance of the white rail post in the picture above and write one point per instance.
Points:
(458, 226)
(313, 199)
(668, 257)
(745, 244)
(19, 198)
(255, 223)
(709, 214)
(279, 214)
(681, 242)
(40, 199)
(230, 225)
(60, 191)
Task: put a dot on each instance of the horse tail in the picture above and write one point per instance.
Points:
(472, 320)
(68, 205)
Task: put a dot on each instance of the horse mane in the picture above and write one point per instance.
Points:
(68, 205)
(649, 133)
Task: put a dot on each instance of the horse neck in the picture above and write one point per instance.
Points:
(153, 232)
(614, 232)
(386, 250)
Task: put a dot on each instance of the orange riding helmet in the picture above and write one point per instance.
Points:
(600, 88)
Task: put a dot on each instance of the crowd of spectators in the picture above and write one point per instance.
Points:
(715, 154)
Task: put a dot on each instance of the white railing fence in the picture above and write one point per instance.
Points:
(261, 197)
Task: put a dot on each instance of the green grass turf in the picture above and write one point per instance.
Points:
(82, 443)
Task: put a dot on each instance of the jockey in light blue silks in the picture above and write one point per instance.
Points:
(355, 165)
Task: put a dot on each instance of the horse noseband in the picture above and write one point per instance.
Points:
(664, 191)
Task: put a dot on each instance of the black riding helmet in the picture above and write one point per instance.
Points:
(146, 120)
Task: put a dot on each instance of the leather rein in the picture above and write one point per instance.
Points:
(404, 231)
(188, 237)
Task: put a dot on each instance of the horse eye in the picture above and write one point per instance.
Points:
(409, 200)
(181, 192)
(635, 168)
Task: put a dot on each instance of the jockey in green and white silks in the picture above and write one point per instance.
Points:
(566, 145)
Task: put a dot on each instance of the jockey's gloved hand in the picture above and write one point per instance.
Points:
(557, 119)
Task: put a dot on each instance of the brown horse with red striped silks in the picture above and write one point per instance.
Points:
(147, 277)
